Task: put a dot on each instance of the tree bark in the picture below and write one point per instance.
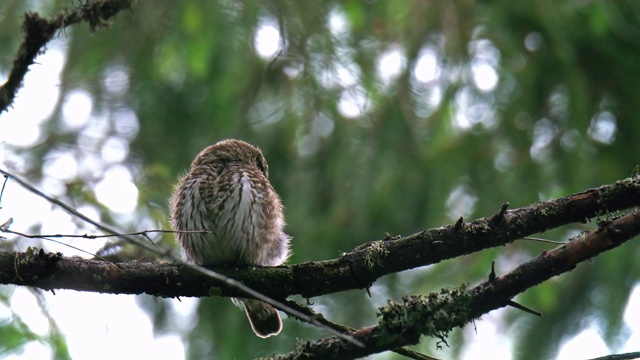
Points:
(357, 269)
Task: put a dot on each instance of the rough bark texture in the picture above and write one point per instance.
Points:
(436, 314)
(357, 269)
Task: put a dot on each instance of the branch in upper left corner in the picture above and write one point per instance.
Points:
(38, 31)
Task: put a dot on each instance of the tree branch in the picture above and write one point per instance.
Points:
(436, 314)
(401, 324)
(405, 351)
(357, 269)
(39, 31)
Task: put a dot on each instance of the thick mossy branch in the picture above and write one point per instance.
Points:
(38, 31)
(403, 324)
(354, 270)
(433, 315)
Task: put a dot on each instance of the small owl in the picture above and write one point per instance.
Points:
(227, 193)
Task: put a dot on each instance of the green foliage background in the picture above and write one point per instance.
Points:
(562, 118)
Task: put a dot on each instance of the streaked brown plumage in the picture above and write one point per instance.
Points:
(226, 192)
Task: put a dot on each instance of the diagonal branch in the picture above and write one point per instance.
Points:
(39, 31)
(438, 313)
(357, 269)
(405, 351)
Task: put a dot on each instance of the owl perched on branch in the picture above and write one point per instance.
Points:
(227, 193)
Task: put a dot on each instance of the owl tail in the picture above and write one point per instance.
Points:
(264, 318)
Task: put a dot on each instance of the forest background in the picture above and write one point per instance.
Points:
(375, 117)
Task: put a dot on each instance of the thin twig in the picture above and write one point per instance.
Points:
(4, 183)
(544, 240)
(6, 230)
(99, 236)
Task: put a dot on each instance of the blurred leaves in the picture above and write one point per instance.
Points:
(357, 150)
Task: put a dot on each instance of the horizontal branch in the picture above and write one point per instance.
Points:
(354, 270)
(39, 31)
(435, 315)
